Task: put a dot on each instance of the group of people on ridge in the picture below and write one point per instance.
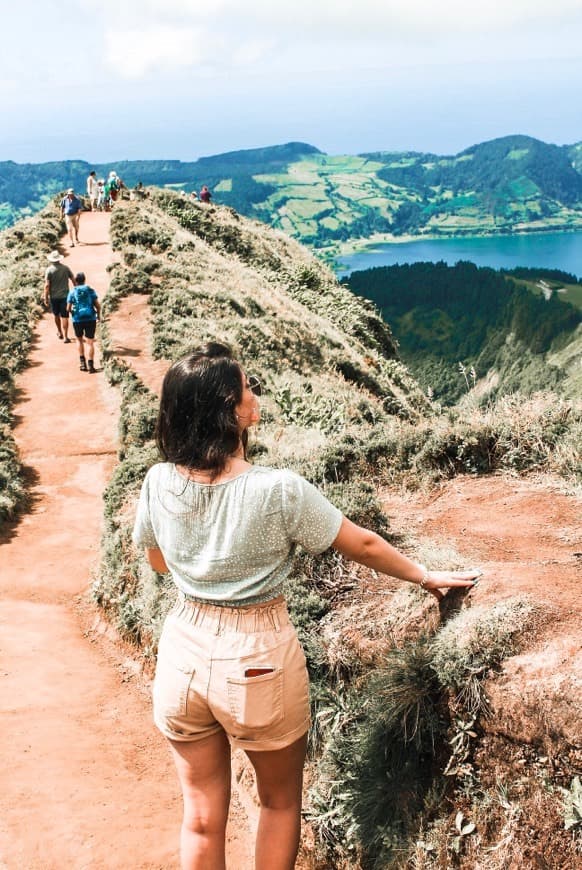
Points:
(80, 302)
(103, 193)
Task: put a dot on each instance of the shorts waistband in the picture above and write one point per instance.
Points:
(218, 619)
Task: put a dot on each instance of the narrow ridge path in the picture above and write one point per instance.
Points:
(87, 781)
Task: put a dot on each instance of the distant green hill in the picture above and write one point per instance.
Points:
(26, 187)
(460, 326)
(515, 183)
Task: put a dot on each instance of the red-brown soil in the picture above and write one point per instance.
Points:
(526, 536)
(131, 339)
(87, 781)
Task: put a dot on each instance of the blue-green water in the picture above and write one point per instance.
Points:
(545, 250)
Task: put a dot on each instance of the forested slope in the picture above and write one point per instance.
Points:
(505, 329)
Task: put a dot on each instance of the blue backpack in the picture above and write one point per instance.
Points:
(83, 303)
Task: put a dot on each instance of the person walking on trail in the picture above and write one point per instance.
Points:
(113, 187)
(71, 208)
(92, 189)
(84, 308)
(230, 671)
(101, 199)
(56, 290)
(205, 195)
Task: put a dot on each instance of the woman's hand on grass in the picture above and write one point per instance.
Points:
(435, 581)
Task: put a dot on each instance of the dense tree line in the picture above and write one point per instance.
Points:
(536, 274)
(363, 226)
(443, 315)
(492, 167)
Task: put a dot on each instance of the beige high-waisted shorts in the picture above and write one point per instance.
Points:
(206, 676)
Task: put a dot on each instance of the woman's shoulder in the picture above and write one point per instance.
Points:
(288, 482)
(267, 474)
(160, 471)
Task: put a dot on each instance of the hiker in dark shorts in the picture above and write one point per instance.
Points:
(71, 208)
(84, 307)
(56, 289)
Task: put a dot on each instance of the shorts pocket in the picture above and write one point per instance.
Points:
(256, 702)
(171, 688)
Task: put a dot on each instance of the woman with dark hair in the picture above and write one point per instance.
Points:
(230, 667)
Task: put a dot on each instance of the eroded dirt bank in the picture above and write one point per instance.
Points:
(526, 535)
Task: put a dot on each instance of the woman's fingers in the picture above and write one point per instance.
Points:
(455, 577)
(451, 579)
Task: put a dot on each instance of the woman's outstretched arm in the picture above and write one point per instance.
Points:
(368, 548)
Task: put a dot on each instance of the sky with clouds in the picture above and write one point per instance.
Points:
(107, 80)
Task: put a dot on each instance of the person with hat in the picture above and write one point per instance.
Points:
(56, 290)
(71, 208)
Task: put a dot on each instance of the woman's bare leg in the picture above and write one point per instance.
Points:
(280, 785)
(204, 773)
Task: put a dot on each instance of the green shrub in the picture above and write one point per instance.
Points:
(13, 493)
(378, 760)
(23, 251)
(470, 647)
(386, 740)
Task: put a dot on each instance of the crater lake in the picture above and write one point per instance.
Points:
(556, 250)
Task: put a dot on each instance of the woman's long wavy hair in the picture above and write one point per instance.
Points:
(197, 425)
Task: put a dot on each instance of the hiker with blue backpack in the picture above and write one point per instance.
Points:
(84, 308)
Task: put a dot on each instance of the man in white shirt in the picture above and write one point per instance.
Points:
(92, 189)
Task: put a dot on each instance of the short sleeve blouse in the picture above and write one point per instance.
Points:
(232, 542)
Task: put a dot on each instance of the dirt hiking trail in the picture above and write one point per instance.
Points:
(87, 782)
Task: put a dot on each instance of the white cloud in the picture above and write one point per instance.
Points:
(346, 17)
(251, 52)
(166, 34)
(136, 52)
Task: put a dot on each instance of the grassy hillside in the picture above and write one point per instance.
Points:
(515, 183)
(334, 387)
(22, 265)
(342, 410)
